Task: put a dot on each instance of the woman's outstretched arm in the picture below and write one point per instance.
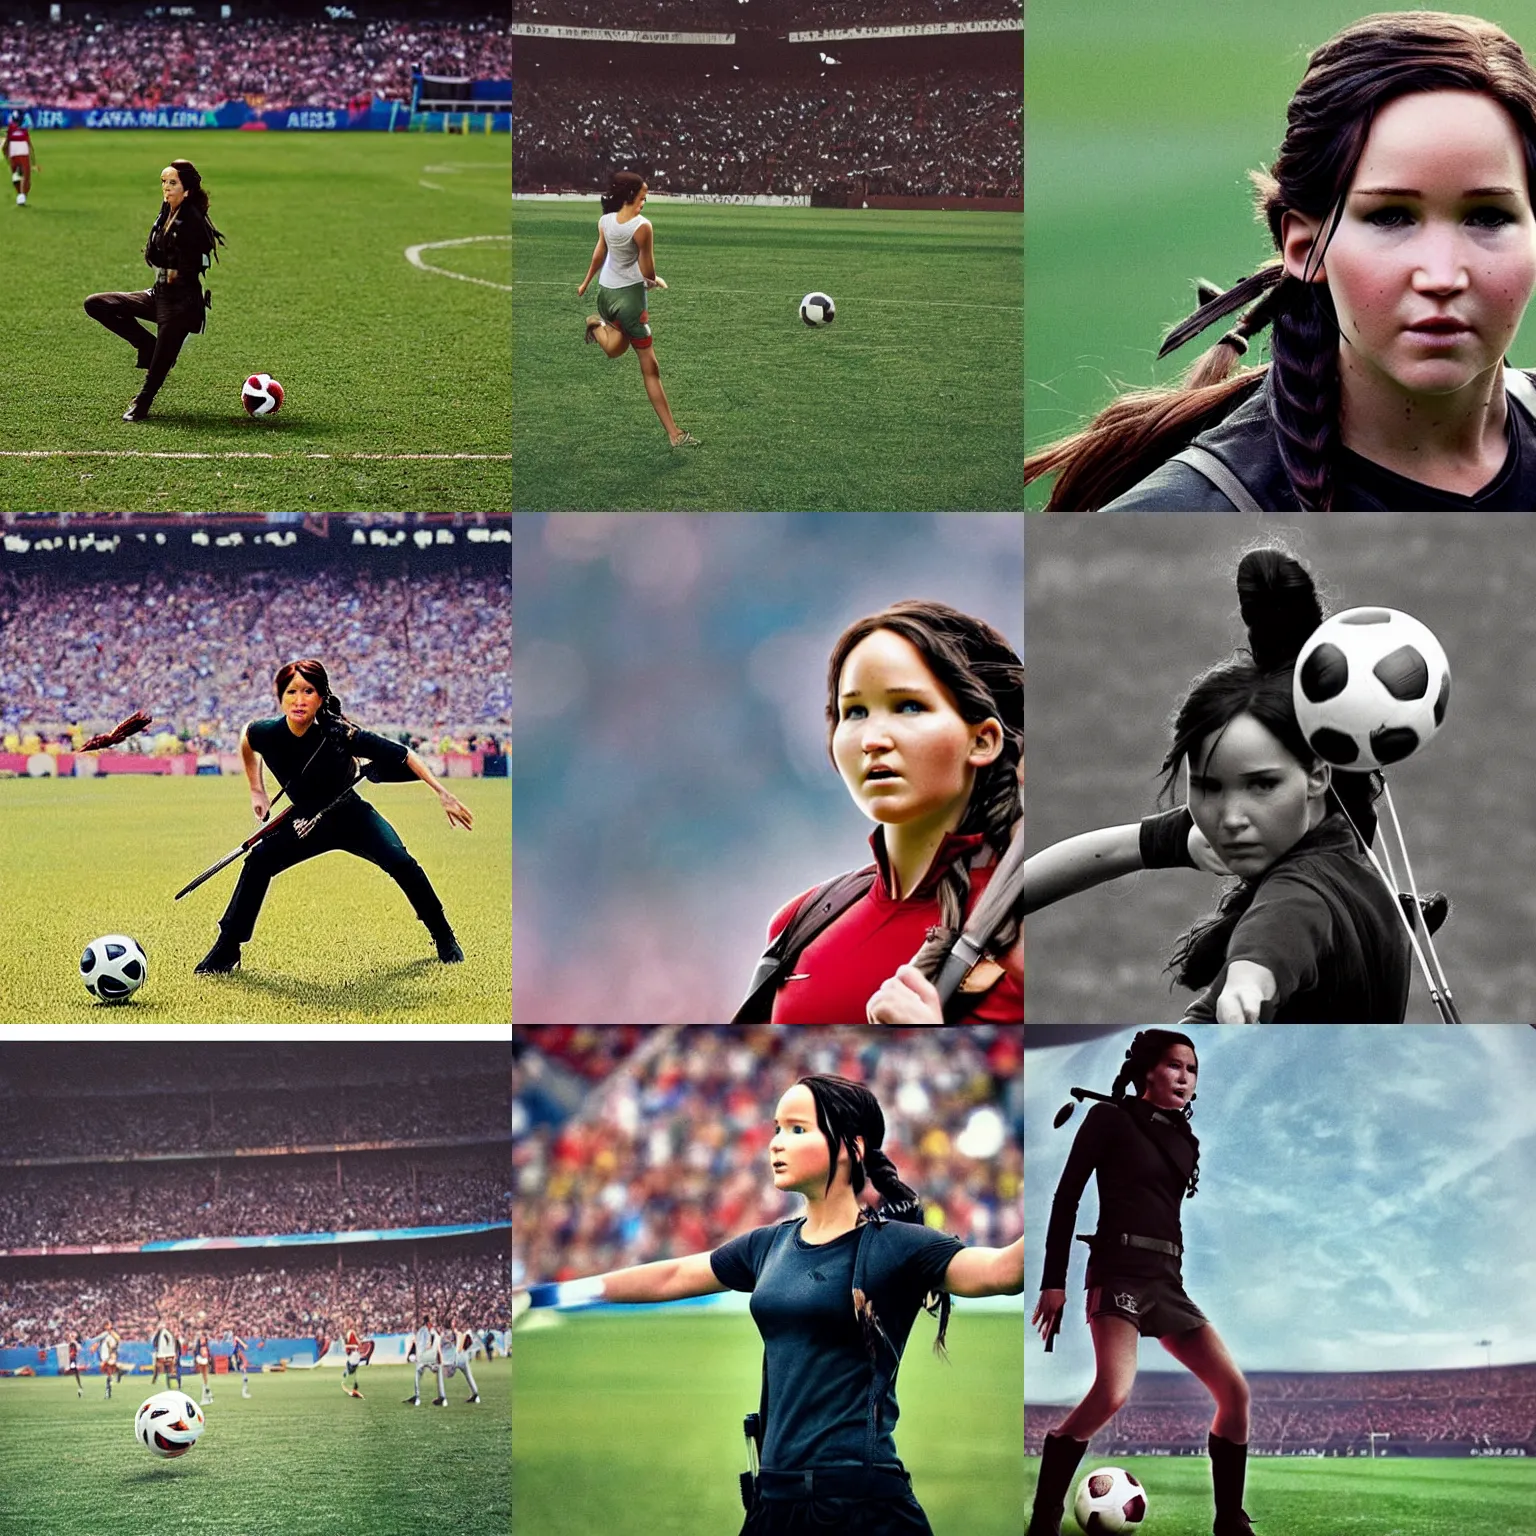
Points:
(1079, 863)
(987, 1271)
(665, 1280)
(458, 812)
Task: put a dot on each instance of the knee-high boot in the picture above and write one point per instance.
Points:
(1229, 1470)
(1058, 1462)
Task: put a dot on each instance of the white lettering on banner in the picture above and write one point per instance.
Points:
(325, 119)
(609, 35)
(917, 29)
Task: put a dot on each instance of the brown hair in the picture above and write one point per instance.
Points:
(1347, 81)
(985, 677)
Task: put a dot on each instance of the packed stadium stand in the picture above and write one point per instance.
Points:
(779, 16)
(266, 62)
(1325, 1413)
(621, 1158)
(114, 1148)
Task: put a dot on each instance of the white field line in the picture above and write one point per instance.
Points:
(742, 293)
(414, 256)
(142, 453)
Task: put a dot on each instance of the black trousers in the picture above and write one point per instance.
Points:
(353, 827)
(837, 1517)
(176, 311)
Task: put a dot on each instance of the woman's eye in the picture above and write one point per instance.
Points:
(1490, 218)
(1389, 218)
(912, 704)
(854, 712)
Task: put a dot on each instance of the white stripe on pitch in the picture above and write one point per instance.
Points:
(144, 453)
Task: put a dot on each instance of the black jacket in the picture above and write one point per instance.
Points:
(183, 247)
(1246, 443)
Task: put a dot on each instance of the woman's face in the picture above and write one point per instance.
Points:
(641, 196)
(798, 1153)
(301, 700)
(1434, 258)
(1250, 797)
(171, 188)
(1171, 1083)
(900, 744)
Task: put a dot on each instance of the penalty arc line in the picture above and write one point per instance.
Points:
(414, 256)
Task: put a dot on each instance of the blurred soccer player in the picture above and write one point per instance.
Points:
(106, 1352)
(19, 151)
(237, 1362)
(427, 1351)
(74, 1364)
(200, 1358)
(359, 1352)
(459, 1346)
(166, 1349)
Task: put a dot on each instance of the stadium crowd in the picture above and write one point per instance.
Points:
(266, 62)
(942, 132)
(404, 654)
(295, 1299)
(735, 15)
(670, 1157)
(59, 1125)
(138, 1203)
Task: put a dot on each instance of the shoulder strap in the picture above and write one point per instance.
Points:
(1209, 467)
(1518, 382)
(816, 911)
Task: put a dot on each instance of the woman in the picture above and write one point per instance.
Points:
(181, 243)
(1309, 933)
(201, 1359)
(310, 748)
(626, 253)
(1400, 205)
(22, 156)
(925, 725)
(835, 1293)
(1147, 1160)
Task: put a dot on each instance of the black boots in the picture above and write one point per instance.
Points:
(448, 950)
(1229, 1468)
(224, 956)
(1057, 1464)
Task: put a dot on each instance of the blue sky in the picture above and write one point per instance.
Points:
(1365, 1196)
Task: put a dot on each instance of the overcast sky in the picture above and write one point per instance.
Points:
(1365, 1196)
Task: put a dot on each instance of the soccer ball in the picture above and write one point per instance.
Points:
(1109, 1499)
(113, 968)
(1370, 688)
(262, 394)
(818, 309)
(168, 1424)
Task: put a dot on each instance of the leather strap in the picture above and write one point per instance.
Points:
(1209, 467)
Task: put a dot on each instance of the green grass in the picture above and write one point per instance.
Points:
(1142, 122)
(377, 357)
(297, 1459)
(336, 941)
(630, 1425)
(1392, 1496)
(910, 400)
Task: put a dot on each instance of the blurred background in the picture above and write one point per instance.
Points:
(1126, 611)
(671, 783)
(1142, 122)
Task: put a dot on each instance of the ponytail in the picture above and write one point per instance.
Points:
(622, 188)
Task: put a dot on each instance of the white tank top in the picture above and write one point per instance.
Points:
(622, 267)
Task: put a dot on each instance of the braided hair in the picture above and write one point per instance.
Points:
(984, 677)
(846, 1113)
(1347, 82)
(1280, 607)
(1145, 1052)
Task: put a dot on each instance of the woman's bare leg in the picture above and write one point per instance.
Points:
(611, 339)
(651, 373)
(1114, 1356)
(1202, 1351)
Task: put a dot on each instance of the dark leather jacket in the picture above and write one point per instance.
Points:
(184, 247)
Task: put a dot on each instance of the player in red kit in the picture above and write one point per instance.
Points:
(19, 152)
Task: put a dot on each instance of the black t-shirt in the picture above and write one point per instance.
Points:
(1143, 1157)
(819, 1372)
(1328, 928)
(332, 768)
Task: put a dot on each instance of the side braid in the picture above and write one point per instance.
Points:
(1304, 348)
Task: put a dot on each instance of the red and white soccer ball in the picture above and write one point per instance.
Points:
(168, 1424)
(1109, 1499)
(262, 394)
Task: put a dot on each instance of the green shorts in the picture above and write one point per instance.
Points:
(625, 308)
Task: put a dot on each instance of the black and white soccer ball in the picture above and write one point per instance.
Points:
(113, 968)
(1370, 688)
(818, 309)
(1109, 1499)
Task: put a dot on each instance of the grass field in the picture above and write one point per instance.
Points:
(1141, 124)
(381, 361)
(298, 1458)
(1124, 612)
(1391, 1496)
(911, 399)
(336, 941)
(631, 1425)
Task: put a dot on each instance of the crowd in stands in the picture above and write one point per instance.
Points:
(292, 1300)
(671, 1158)
(200, 652)
(1324, 1412)
(735, 15)
(138, 1203)
(943, 132)
(267, 62)
(54, 1124)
